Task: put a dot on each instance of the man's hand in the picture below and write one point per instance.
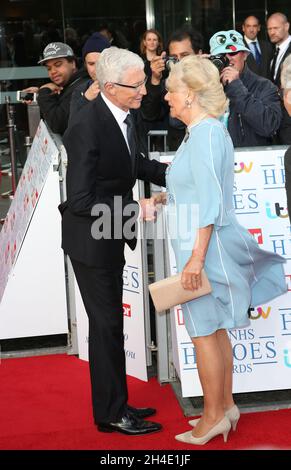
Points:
(53, 87)
(31, 89)
(148, 209)
(228, 75)
(93, 91)
(158, 66)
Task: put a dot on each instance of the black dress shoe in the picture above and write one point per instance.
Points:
(130, 424)
(141, 412)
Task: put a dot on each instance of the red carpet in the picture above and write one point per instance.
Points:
(45, 403)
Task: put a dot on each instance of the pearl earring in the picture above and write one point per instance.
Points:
(188, 104)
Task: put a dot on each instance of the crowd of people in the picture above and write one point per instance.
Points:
(235, 94)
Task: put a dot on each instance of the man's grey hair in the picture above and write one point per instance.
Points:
(113, 63)
(286, 73)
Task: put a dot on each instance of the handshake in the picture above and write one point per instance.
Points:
(151, 206)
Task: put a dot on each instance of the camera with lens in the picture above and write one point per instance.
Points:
(220, 61)
(169, 60)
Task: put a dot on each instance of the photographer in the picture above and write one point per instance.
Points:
(254, 102)
(54, 98)
(254, 113)
(182, 43)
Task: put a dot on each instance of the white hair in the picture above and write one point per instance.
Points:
(113, 63)
(286, 73)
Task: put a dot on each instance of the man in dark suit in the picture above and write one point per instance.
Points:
(278, 31)
(286, 88)
(261, 51)
(99, 217)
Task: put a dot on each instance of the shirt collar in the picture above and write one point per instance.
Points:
(117, 112)
(250, 41)
(284, 45)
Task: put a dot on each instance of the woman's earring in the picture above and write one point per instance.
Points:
(188, 103)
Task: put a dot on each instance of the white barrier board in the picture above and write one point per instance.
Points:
(32, 276)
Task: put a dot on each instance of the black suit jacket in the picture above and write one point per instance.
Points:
(100, 168)
(277, 79)
(284, 132)
(267, 53)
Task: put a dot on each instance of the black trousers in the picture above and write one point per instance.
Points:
(101, 291)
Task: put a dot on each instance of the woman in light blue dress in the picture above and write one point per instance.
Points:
(205, 234)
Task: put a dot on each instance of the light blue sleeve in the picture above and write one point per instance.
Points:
(206, 162)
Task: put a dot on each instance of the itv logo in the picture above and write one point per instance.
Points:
(259, 312)
(276, 211)
(287, 355)
(243, 167)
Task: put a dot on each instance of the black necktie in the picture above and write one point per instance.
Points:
(258, 55)
(130, 131)
(273, 67)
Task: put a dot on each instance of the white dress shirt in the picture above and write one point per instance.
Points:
(119, 116)
(250, 43)
(283, 48)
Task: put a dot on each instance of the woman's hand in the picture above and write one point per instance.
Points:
(159, 198)
(191, 274)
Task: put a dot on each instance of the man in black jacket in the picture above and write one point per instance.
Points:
(97, 220)
(278, 31)
(261, 51)
(54, 98)
(254, 102)
(286, 88)
(89, 90)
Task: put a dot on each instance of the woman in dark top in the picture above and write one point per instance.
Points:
(151, 46)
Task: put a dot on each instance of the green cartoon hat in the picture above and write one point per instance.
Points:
(227, 41)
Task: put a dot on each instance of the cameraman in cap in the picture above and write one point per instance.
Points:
(54, 97)
(254, 102)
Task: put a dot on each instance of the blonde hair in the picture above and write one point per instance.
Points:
(286, 73)
(202, 77)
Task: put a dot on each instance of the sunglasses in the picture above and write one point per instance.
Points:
(232, 53)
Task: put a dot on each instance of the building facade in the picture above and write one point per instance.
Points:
(26, 26)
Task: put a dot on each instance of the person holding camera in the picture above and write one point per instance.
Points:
(183, 42)
(54, 97)
(254, 102)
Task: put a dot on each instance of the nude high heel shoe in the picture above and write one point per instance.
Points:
(233, 415)
(223, 427)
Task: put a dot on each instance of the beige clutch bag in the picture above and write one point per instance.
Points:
(169, 292)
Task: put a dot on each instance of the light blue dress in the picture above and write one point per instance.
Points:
(200, 193)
